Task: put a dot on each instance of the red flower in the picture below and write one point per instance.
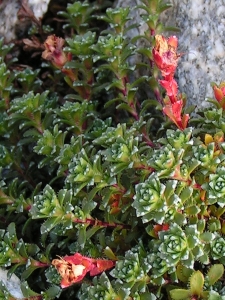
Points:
(100, 265)
(73, 268)
(219, 93)
(173, 111)
(165, 55)
(171, 89)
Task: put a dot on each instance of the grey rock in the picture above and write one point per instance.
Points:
(10, 25)
(12, 284)
(201, 42)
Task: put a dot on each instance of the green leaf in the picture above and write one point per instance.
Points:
(49, 224)
(29, 270)
(183, 273)
(196, 283)
(27, 292)
(52, 293)
(207, 237)
(147, 296)
(215, 273)
(90, 232)
(109, 253)
(82, 236)
(186, 194)
(212, 295)
(180, 294)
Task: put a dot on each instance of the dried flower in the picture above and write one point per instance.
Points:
(54, 51)
(165, 55)
(73, 268)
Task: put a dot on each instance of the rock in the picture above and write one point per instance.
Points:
(10, 26)
(201, 42)
(12, 284)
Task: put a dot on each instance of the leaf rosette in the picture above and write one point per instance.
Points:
(149, 198)
(174, 245)
(179, 139)
(216, 187)
(165, 160)
(159, 267)
(218, 248)
(204, 154)
(133, 268)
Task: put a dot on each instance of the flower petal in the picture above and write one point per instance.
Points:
(171, 89)
(173, 111)
(101, 265)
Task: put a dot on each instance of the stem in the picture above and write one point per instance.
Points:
(147, 139)
(158, 96)
(7, 104)
(101, 223)
(20, 171)
(124, 81)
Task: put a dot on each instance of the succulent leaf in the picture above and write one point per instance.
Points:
(215, 273)
(196, 283)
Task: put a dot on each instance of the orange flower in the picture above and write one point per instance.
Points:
(73, 268)
(173, 111)
(219, 93)
(54, 51)
(165, 55)
(218, 139)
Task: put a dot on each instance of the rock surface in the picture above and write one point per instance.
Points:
(10, 25)
(201, 40)
(12, 284)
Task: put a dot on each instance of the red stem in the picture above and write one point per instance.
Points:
(100, 223)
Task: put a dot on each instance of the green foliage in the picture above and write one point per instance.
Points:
(5, 84)
(27, 79)
(197, 284)
(89, 166)
(78, 15)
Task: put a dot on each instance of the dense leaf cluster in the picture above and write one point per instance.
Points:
(88, 165)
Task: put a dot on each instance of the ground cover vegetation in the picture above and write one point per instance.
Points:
(107, 192)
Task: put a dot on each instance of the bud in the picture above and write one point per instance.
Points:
(219, 93)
